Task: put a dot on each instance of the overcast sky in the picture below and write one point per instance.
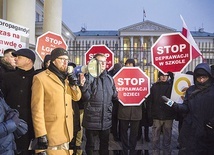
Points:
(116, 14)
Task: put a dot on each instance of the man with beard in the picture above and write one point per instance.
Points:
(52, 93)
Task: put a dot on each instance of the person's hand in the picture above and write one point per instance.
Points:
(168, 101)
(11, 113)
(43, 142)
(72, 78)
(184, 92)
(16, 119)
(171, 75)
(82, 79)
(42, 153)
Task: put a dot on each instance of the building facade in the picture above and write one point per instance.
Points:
(134, 41)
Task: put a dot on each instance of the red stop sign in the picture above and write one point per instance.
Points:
(133, 86)
(171, 52)
(100, 49)
(47, 42)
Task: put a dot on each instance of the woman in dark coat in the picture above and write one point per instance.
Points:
(197, 132)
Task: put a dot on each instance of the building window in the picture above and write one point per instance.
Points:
(37, 17)
(210, 61)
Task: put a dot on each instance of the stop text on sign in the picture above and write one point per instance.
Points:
(173, 49)
(53, 41)
(130, 81)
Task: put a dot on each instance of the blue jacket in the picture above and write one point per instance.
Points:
(7, 141)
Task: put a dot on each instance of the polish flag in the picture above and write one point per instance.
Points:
(195, 50)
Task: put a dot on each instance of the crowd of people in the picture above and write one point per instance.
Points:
(59, 107)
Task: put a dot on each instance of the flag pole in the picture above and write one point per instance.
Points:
(144, 14)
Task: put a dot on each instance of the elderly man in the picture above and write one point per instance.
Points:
(16, 87)
(52, 113)
(98, 94)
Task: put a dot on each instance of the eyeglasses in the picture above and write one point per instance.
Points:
(63, 59)
(102, 62)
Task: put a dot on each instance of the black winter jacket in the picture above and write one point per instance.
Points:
(159, 109)
(16, 88)
(97, 94)
(195, 136)
(4, 68)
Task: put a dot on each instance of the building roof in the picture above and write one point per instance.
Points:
(85, 32)
(201, 34)
(147, 26)
(141, 26)
(116, 33)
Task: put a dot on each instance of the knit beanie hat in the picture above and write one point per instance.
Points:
(58, 52)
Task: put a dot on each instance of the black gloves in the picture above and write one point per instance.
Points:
(171, 75)
(42, 142)
(72, 144)
(42, 153)
(73, 81)
(14, 116)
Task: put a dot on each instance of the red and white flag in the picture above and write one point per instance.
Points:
(195, 50)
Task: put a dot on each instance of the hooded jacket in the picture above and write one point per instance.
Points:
(195, 137)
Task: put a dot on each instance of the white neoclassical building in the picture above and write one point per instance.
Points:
(133, 41)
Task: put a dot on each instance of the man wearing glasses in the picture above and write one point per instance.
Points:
(98, 94)
(52, 114)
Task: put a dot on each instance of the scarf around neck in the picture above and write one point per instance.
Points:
(61, 75)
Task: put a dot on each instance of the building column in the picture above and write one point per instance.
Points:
(22, 12)
(1, 9)
(141, 49)
(141, 42)
(152, 40)
(121, 48)
(52, 16)
(132, 46)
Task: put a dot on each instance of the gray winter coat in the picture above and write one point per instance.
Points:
(98, 94)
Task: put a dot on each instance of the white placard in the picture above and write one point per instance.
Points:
(180, 84)
(13, 36)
